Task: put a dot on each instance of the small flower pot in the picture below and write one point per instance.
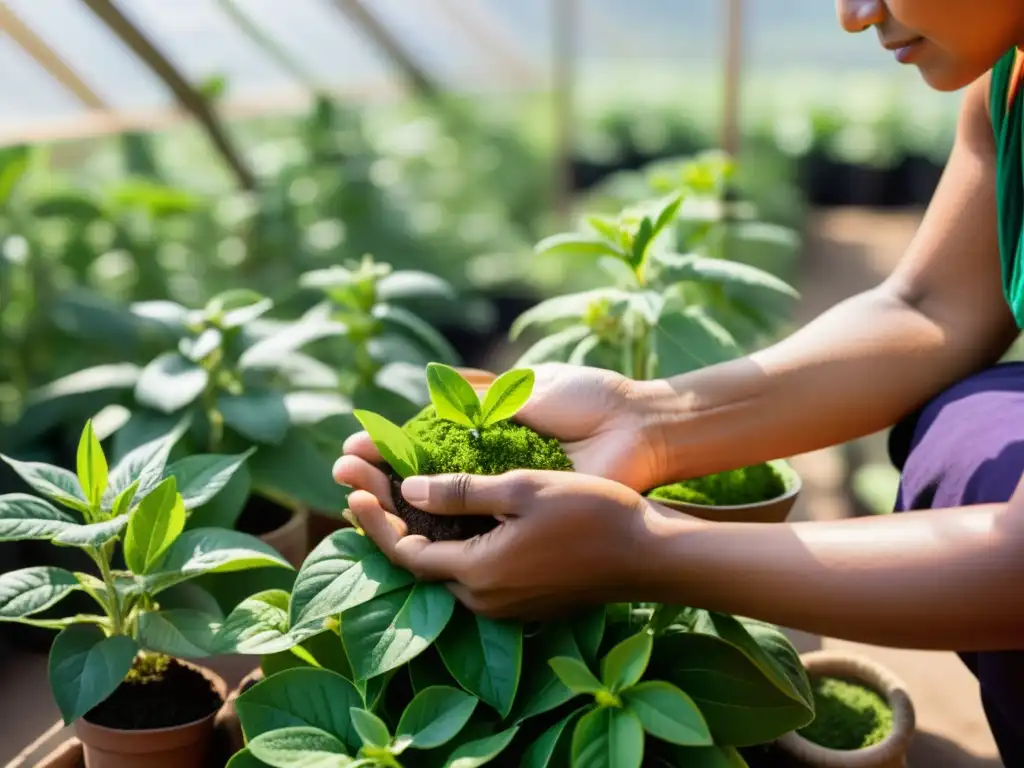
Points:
(891, 752)
(774, 510)
(291, 539)
(229, 729)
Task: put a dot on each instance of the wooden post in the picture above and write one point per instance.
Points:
(733, 73)
(188, 96)
(48, 59)
(565, 19)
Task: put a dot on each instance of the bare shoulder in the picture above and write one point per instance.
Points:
(974, 126)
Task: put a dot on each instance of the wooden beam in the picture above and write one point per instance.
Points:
(186, 95)
(48, 59)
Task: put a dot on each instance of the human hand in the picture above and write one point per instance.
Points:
(564, 539)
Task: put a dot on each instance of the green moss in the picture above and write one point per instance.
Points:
(500, 448)
(748, 485)
(848, 716)
(148, 668)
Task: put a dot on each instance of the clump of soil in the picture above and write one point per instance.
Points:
(747, 485)
(261, 516)
(450, 448)
(847, 716)
(158, 692)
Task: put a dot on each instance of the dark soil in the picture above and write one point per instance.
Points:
(262, 516)
(436, 527)
(159, 692)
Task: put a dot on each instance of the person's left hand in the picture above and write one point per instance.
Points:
(564, 539)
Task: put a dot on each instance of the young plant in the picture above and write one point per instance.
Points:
(142, 505)
(455, 399)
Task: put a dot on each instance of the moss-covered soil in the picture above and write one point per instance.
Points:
(749, 485)
(848, 716)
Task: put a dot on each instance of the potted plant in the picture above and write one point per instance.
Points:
(864, 716)
(666, 313)
(118, 674)
(364, 665)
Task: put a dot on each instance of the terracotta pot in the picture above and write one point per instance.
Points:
(228, 727)
(174, 747)
(292, 538)
(888, 753)
(771, 511)
(479, 379)
(322, 526)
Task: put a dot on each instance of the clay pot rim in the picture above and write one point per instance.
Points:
(878, 678)
(296, 518)
(219, 685)
(794, 485)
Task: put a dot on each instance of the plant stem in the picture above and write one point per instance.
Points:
(103, 561)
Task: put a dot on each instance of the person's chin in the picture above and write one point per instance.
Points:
(945, 77)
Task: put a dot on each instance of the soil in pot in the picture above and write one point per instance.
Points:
(262, 516)
(159, 692)
(451, 448)
(849, 716)
(748, 485)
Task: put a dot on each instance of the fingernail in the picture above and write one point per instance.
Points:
(416, 490)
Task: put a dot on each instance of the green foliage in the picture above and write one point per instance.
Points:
(455, 400)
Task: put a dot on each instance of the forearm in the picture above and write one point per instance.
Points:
(854, 370)
(947, 579)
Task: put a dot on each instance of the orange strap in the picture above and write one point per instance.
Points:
(1016, 77)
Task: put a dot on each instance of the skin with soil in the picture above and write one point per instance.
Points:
(848, 715)
(450, 448)
(159, 692)
(262, 516)
(747, 485)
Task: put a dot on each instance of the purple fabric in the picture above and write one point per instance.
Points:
(967, 447)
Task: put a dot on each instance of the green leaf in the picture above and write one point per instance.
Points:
(259, 416)
(626, 663)
(205, 344)
(31, 590)
(211, 550)
(170, 383)
(157, 522)
(298, 471)
(674, 268)
(303, 696)
(648, 304)
(571, 306)
(668, 714)
(572, 244)
(689, 340)
(25, 518)
(93, 535)
(608, 738)
(92, 466)
(200, 478)
(642, 239)
(258, 625)
(481, 751)
(452, 396)
(144, 465)
(85, 667)
(224, 509)
(307, 409)
(574, 675)
(553, 348)
(184, 633)
(54, 483)
(397, 448)
(667, 213)
(344, 570)
(270, 351)
(167, 314)
(371, 729)
(435, 716)
(123, 503)
(299, 748)
(588, 630)
(700, 757)
(399, 319)
(506, 396)
(552, 748)
(244, 759)
(412, 284)
(393, 629)
(237, 307)
(484, 656)
(540, 689)
(619, 271)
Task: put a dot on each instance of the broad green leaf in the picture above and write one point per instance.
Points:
(224, 509)
(397, 448)
(299, 748)
(192, 597)
(428, 669)
(667, 213)
(588, 630)
(258, 625)
(393, 629)
(674, 268)
(571, 306)
(553, 348)
(211, 550)
(123, 503)
(625, 664)
(620, 271)
(259, 416)
(507, 395)
(668, 714)
(268, 352)
(397, 318)
(763, 233)
(481, 751)
(92, 466)
(344, 570)
(201, 347)
(31, 590)
(144, 464)
(648, 304)
(641, 241)
(307, 409)
(85, 667)
(406, 380)
(603, 225)
(54, 483)
(371, 729)
(298, 471)
(170, 383)
(608, 738)
(671, 756)
(72, 204)
(237, 306)
(184, 633)
(93, 535)
(574, 675)
(245, 759)
(304, 696)
(688, 340)
(412, 284)
(581, 354)
(200, 478)
(552, 749)
(168, 314)
(572, 244)
(452, 396)
(435, 716)
(484, 656)
(156, 523)
(540, 689)
(24, 518)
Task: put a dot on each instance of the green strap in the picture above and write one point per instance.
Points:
(1007, 124)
